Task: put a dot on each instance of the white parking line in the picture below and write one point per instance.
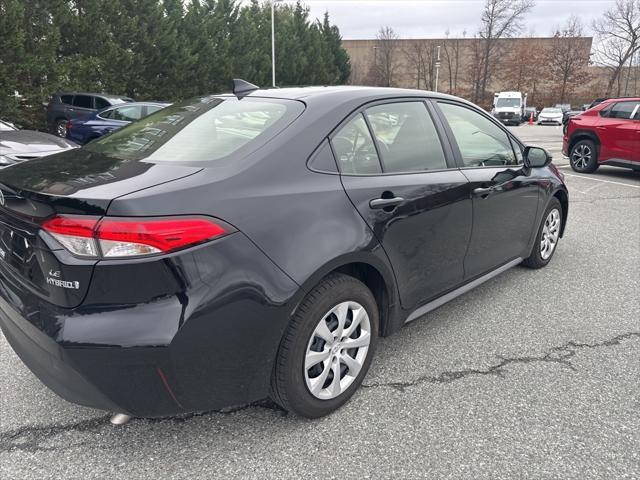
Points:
(598, 179)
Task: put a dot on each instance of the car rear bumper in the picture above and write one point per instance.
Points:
(551, 122)
(49, 362)
(76, 136)
(209, 346)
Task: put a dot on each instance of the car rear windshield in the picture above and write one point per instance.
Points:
(201, 130)
(551, 110)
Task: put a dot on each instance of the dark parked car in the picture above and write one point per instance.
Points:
(568, 116)
(597, 101)
(607, 134)
(232, 247)
(19, 145)
(94, 125)
(65, 106)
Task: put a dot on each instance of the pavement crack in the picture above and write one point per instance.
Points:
(34, 439)
(560, 355)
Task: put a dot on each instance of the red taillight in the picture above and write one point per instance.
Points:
(112, 237)
(164, 235)
(72, 225)
(69, 125)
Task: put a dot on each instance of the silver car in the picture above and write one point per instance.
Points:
(20, 145)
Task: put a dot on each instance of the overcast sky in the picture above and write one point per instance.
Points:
(359, 19)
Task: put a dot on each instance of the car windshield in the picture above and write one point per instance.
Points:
(508, 102)
(200, 130)
(551, 110)
(5, 127)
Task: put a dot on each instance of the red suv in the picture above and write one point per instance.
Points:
(607, 134)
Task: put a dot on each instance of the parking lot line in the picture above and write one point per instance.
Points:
(600, 180)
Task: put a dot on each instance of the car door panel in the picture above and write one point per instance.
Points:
(504, 195)
(503, 220)
(618, 136)
(426, 235)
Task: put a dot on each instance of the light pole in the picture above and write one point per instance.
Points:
(375, 66)
(437, 67)
(273, 43)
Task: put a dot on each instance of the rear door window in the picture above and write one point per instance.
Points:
(66, 99)
(354, 148)
(406, 136)
(201, 130)
(107, 114)
(83, 101)
(128, 113)
(101, 103)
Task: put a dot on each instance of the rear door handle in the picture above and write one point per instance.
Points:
(378, 203)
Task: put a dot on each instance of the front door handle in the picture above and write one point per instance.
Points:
(484, 192)
(386, 203)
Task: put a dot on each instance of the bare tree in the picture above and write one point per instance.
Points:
(474, 69)
(500, 19)
(416, 58)
(386, 61)
(618, 33)
(567, 58)
(429, 70)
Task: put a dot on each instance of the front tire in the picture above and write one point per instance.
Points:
(548, 236)
(327, 349)
(583, 156)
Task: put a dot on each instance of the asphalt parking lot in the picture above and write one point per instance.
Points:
(535, 374)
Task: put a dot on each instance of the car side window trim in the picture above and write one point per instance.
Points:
(454, 143)
(442, 135)
(99, 115)
(375, 141)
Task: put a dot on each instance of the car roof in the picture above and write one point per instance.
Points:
(338, 93)
(104, 95)
(621, 99)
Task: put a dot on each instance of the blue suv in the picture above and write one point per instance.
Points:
(65, 106)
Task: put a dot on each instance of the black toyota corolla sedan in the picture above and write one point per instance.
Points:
(234, 247)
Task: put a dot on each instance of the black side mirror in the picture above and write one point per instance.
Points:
(536, 157)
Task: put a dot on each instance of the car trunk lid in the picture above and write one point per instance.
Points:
(71, 183)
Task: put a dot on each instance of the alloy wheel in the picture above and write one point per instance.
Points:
(550, 234)
(337, 350)
(61, 129)
(581, 156)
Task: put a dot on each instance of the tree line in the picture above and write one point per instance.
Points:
(471, 65)
(156, 49)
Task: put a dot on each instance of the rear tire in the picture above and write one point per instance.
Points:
(61, 128)
(583, 156)
(548, 236)
(304, 380)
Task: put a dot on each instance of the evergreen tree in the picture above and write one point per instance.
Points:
(156, 49)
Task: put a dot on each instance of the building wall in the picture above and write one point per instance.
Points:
(521, 64)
